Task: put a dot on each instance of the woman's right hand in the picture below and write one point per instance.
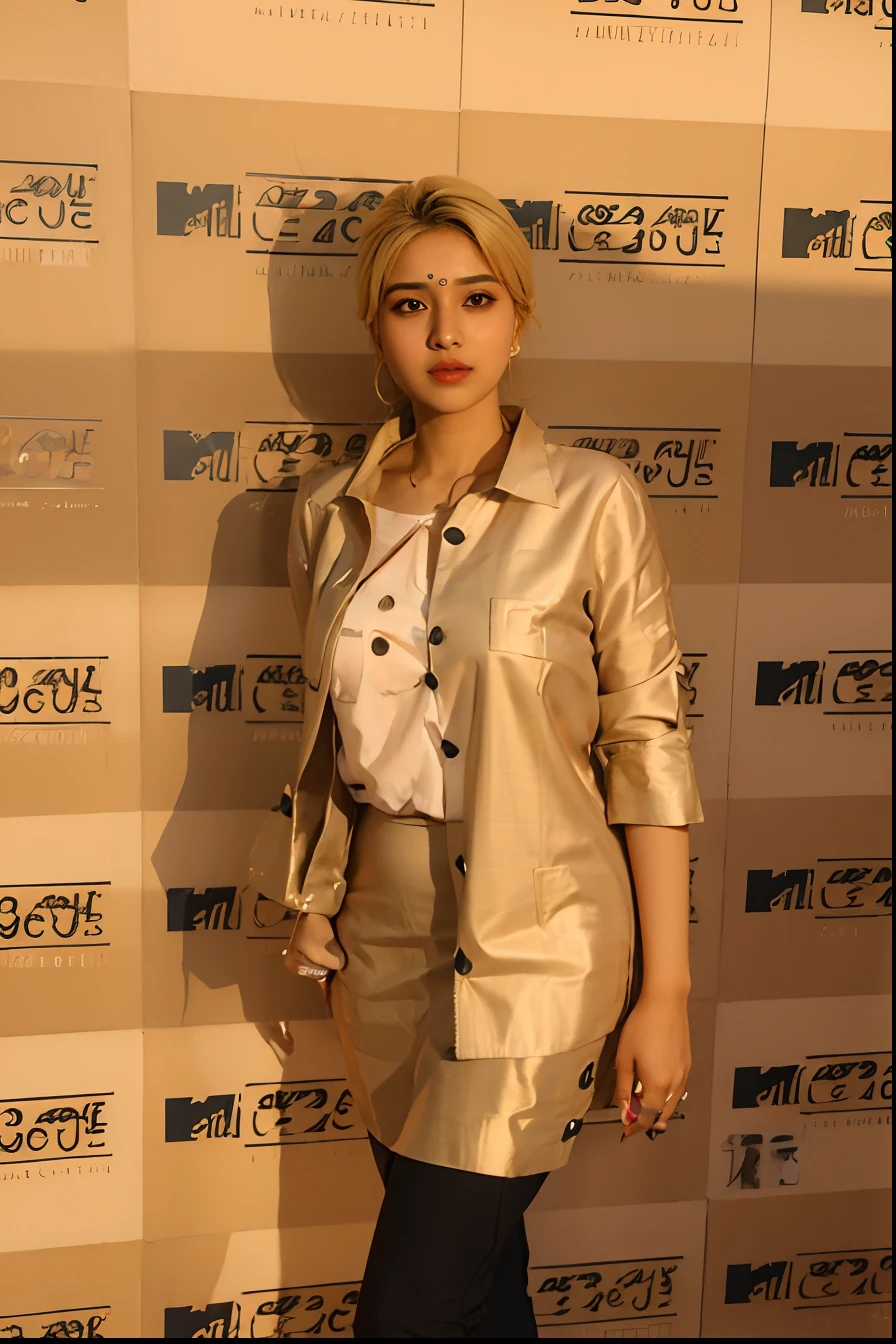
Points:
(313, 943)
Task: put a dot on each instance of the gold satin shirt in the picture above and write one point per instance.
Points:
(553, 644)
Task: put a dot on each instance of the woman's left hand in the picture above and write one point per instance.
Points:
(655, 1051)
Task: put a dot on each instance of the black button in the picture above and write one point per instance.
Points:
(460, 864)
(386, 603)
(431, 680)
(380, 646)
(586, 1077)
(454, 535)
(436, 635)
(571, 1130)
(449, 749)
(462, 963)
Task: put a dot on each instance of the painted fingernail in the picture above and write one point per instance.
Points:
(652, 1133)
(630, 1116)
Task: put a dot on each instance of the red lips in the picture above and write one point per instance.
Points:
(449, 371)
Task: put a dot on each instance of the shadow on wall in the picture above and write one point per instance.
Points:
(230, 774)
(228, 771)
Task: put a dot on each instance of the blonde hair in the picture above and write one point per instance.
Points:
(438, 203)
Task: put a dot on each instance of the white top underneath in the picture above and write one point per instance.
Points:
(389, 719)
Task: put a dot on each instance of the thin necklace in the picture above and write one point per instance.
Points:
(505, 423)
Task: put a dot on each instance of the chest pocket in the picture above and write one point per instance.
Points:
(515, 626)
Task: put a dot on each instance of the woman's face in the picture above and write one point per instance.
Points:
(446, 325)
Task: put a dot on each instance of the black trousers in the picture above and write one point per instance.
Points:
(449, 1257)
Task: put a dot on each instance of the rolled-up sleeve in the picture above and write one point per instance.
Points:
(643, 737)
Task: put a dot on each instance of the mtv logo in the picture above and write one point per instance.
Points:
(213, 688)
(787, 890)
(188, 456)
(796, 683)
(538, 221)
(210, 209)
(214, 908)
(792, 462)
(766, 1283)
(774, 1086)
(186, 1120)
(219, 1320)
(806, 234)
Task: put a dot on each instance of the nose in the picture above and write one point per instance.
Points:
(442, 332)
(442, 340)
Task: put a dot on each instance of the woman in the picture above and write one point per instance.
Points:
(494, 745)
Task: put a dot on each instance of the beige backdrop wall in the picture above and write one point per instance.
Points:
(705, 185)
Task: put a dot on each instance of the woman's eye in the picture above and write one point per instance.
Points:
(404, 306)
(480, 300)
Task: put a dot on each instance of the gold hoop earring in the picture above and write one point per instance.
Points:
(376, 384)
(514, 350)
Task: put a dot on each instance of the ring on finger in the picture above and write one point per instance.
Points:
(313, 972)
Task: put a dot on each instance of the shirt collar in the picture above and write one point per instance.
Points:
(525, 473)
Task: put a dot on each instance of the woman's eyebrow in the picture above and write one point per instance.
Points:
(405, 284)
(422, 284)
